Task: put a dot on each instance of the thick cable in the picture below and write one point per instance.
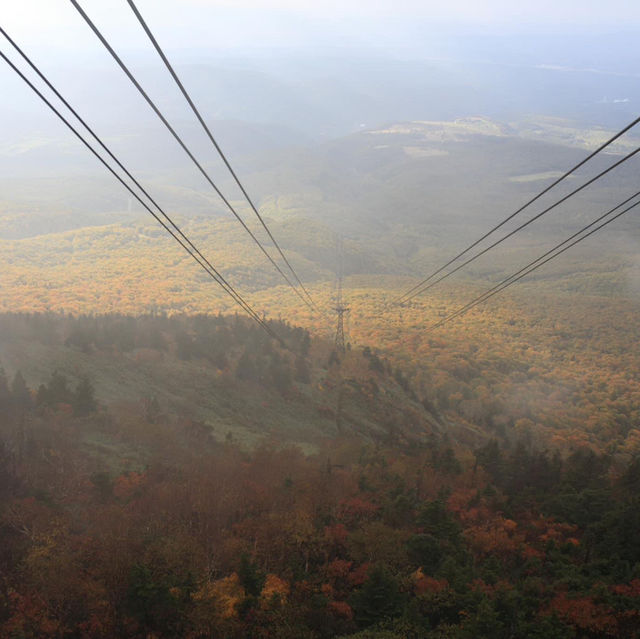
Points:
(538, 262)
(214, 275)
(524, 225)
(564, 176)
(110, 153)
(204, 125)
(178, 139)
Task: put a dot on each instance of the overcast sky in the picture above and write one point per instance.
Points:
(268, 23)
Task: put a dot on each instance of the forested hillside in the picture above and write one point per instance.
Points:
(223, 372)
(285, 348)
(147, 488)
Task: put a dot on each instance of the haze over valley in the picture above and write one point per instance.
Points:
(353, 437)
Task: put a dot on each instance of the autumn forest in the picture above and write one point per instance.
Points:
(137, 518)
(319, 320)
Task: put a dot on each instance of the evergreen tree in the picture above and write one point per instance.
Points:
(83, 400)
(426, 551)
(5, 395)
(485, 623)
(376, 364)
(152, 410)
(305, 344)
(303, 372)
(42, 396)
(57, 390)
(246, 369)
(435, 519)
(280, 373)
(251, 578)
(79, 338)
(378, 599)
(20, 395)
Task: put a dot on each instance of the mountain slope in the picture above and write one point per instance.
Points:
(221, 373)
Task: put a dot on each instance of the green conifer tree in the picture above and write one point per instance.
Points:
(83, 400)
(20, 395)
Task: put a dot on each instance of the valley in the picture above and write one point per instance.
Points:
(173, 466)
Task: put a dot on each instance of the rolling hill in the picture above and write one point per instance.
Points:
(221, 373)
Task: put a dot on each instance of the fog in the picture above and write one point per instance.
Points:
(309, 102)
(324, 435)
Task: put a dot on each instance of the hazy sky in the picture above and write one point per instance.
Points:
(269, 23)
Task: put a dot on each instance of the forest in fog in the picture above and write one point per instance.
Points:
(319, 320)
